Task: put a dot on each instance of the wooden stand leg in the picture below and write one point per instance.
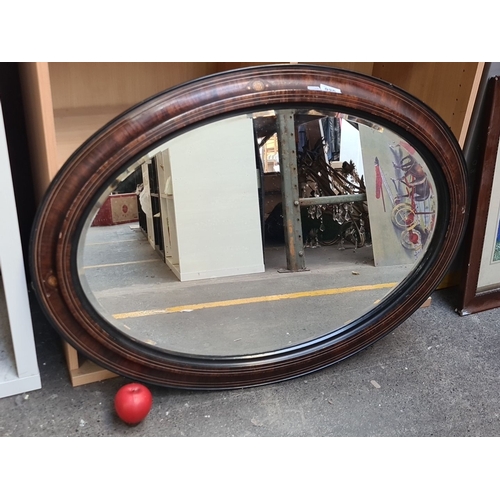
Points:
(427, 303)
(85, 372)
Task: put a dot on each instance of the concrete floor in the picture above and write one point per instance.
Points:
(435, 375)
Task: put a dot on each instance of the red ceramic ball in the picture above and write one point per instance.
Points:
(133, 403)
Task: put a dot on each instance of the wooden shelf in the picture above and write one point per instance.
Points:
(67, 102)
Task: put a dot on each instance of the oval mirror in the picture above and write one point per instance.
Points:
(249, 227)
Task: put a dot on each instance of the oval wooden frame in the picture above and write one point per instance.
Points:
(60, 218)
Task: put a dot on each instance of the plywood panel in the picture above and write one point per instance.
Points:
(86, 96)
(360, 67)
(227, 66)
(74, 126)
(77, 85)
(444, 86)
(39, 123)
(472, 101)
(66, 101)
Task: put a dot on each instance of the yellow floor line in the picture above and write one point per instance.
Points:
(121, 263)
(112, 242)
(253, 300)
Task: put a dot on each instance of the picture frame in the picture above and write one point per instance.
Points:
(480, 280)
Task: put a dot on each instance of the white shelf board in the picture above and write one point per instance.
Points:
(10, 382)
(8, 370)
(18, 364)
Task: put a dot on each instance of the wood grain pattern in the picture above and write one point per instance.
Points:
(40, 123)
(77, 91)
(96, 84)
(446, 87)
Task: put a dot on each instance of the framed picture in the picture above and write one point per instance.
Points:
(480, 285)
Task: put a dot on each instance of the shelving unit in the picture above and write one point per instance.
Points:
(66, 102)
(18, 364)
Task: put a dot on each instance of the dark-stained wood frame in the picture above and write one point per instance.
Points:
(72, 193)
(471, 300)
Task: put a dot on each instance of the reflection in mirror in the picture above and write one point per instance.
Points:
(257, 232)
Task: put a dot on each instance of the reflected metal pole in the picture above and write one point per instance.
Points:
(290, 190)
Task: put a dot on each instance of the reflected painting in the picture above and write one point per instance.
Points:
(496, 252)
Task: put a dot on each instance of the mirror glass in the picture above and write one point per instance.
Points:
(257, 232)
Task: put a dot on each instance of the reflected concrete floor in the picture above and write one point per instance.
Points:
(237, 315)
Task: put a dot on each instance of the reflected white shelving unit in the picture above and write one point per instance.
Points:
(18, 363)
(204, 175)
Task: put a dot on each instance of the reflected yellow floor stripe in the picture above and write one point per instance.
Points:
(253, 300)
(121, 263)
(111, 242)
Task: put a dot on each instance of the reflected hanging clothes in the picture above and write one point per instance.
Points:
(302, 142)
(331, 131)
